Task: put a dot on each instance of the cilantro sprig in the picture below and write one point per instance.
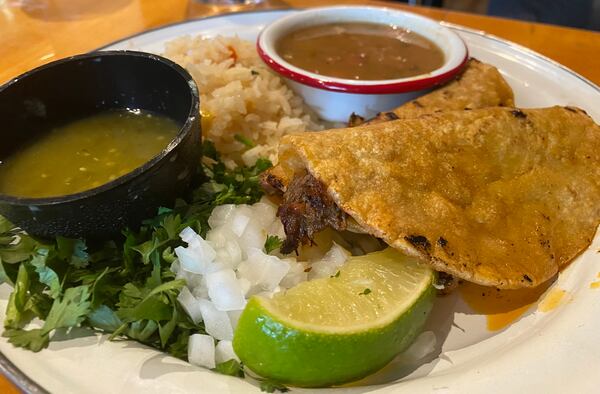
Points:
(272, 243)
(124, 286)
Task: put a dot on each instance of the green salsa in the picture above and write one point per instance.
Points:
(86, 153)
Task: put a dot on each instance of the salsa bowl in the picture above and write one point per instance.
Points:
(83, 85)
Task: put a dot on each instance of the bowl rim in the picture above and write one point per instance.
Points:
(266, 51)
(183, 132)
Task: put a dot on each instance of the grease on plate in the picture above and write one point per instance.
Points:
(552, 300)
(501, 307)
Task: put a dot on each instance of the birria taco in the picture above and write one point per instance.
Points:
(498, 196)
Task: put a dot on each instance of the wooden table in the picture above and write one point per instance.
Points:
(36, 32)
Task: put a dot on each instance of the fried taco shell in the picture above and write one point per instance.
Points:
(480, 85)
(500, 196)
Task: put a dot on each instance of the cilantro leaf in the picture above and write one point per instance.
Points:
(39, 304)
(172, 226)
(244, 140)
(231, 367)
(209, 150)
(66, 312)
(5, 225)
(102, 289)
(70, 310)
(169, 255)
(365, 291)
(16, 246)
(73, 250)
(179, 347)
(16, 302)
(272, 243)
(46, 274)
(165, 331)
(4, 277)
(135, 305)
(270, 386)
(147, 248)
(142, 330)
(105, 319)
(34, 340)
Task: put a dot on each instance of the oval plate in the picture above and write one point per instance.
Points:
(557, 351)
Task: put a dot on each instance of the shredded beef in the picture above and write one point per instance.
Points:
(307, 209)
(271, 184)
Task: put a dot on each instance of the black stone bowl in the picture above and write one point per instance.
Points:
(83, 85)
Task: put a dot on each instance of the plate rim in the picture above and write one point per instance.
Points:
(19, 378)
(28, 385)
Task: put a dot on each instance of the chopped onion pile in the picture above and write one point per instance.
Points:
(228, 267)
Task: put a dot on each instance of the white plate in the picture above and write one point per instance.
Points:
(552, 352)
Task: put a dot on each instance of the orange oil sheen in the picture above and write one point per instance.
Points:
(501, 307)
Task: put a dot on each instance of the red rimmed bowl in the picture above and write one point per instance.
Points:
(334, 99)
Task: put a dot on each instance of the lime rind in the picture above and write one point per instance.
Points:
(308, 359)
(304, 355)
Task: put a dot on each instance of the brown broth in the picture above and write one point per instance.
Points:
(85, 154)
(363, 51)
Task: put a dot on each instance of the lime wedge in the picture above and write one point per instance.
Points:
(339, 329)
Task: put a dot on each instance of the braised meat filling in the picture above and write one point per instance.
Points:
(305, 210)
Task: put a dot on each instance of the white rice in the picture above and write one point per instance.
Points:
(239, 94)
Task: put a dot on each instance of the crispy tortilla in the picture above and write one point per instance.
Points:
(480, 85)
(501, 197)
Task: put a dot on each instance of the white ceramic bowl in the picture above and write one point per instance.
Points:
(334, 99)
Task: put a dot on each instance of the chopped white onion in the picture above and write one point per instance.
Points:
(192, 280)
(201, 350)
(229, 255)
(224, 352)
(189, 261)
(199, 254)
(239, 222)
(264, 214)
(295, 275)
(262, 270)
(220, 215)
(330, 263)
(225, 291)
(234, 317)
(216, 323)
(254, 237)
(190, 304)
(229, 266)
(219, 236)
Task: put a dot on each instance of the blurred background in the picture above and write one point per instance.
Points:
(583, 14)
